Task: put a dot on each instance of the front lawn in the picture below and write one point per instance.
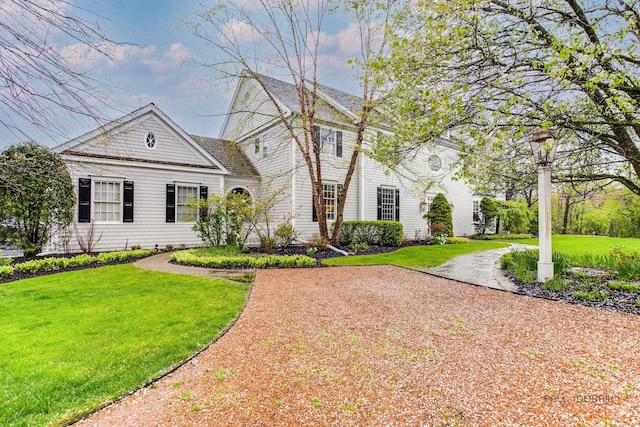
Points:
(580, 245)
(418, 257)
(73, 341)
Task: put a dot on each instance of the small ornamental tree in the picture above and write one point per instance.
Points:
(440, 213)
(514, 216)
(36, 195)
(489, 211)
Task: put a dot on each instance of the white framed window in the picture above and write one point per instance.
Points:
(476, 210)
(388, 204)
(185, 196)
(150, 140)
(107, 201)
(330, 194)
(328, 141)
(435, 163)
(265, 146)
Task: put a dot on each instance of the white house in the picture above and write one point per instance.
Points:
(133, 179)
(403, 195)
(135, 176)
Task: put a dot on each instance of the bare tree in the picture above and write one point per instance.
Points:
(254, 39)
(38, 86)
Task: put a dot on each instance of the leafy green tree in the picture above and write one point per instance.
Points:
(231, 219)
(486, 71)
(36, 195)
(489, 211)
(514, 216)
(440, 213)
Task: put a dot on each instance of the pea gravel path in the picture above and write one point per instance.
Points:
(388, 346)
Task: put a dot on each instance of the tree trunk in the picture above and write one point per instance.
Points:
(565, 217)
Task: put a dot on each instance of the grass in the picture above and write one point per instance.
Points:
(417, 256)
(581, 245)
(73, 341)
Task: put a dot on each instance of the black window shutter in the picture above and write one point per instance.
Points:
(171, 203)
(338, 144)
(84, 200)
(379, 203)
(127, 206)
(204, 195)
(397, 204)
(316, 137)
(339, 190)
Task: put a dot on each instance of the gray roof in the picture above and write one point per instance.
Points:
(229, 154)
(288, 95)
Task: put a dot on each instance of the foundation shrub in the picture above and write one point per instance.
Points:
(380, 233)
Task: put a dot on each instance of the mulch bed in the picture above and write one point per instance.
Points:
(328, 253)
(617, 301)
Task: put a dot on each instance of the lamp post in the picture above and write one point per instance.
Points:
(543, 145)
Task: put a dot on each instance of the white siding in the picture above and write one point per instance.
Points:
(334, 170)
(128, 140)
(252, 110)
(275, 168)
(149, 227)
(416, 181)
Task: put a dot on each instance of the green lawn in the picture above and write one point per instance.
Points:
(580, 245)
(417, 256)
(72, 341)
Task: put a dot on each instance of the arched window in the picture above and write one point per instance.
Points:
(241, 191)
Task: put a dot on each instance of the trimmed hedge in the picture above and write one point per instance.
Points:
(55, 264)
(501, 236)
(243, 261)
(456, 240)
(380, 233)
(6, 270)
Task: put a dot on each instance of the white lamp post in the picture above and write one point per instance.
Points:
(543, 145)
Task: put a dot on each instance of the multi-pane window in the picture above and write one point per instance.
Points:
(330, 194)
(388, 204)
(107, 201)
(150, 140)
(265, 146)
(476, 210)
(327, 140)
(185, 198)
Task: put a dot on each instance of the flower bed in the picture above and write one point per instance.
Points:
(10, 272)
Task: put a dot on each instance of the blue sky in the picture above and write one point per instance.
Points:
(154, 56)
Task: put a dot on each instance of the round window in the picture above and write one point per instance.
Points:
(150, 141)
(435, 163)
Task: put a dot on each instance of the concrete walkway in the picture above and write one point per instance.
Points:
(479, 268)
(161, 262)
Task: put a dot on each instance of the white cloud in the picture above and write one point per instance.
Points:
(349, 39)
(177, 53)
(82, 56)
(239, 32)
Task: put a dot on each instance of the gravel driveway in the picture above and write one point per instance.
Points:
(388, 346)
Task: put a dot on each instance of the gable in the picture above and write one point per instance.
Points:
(250, 112)
(143, 136)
